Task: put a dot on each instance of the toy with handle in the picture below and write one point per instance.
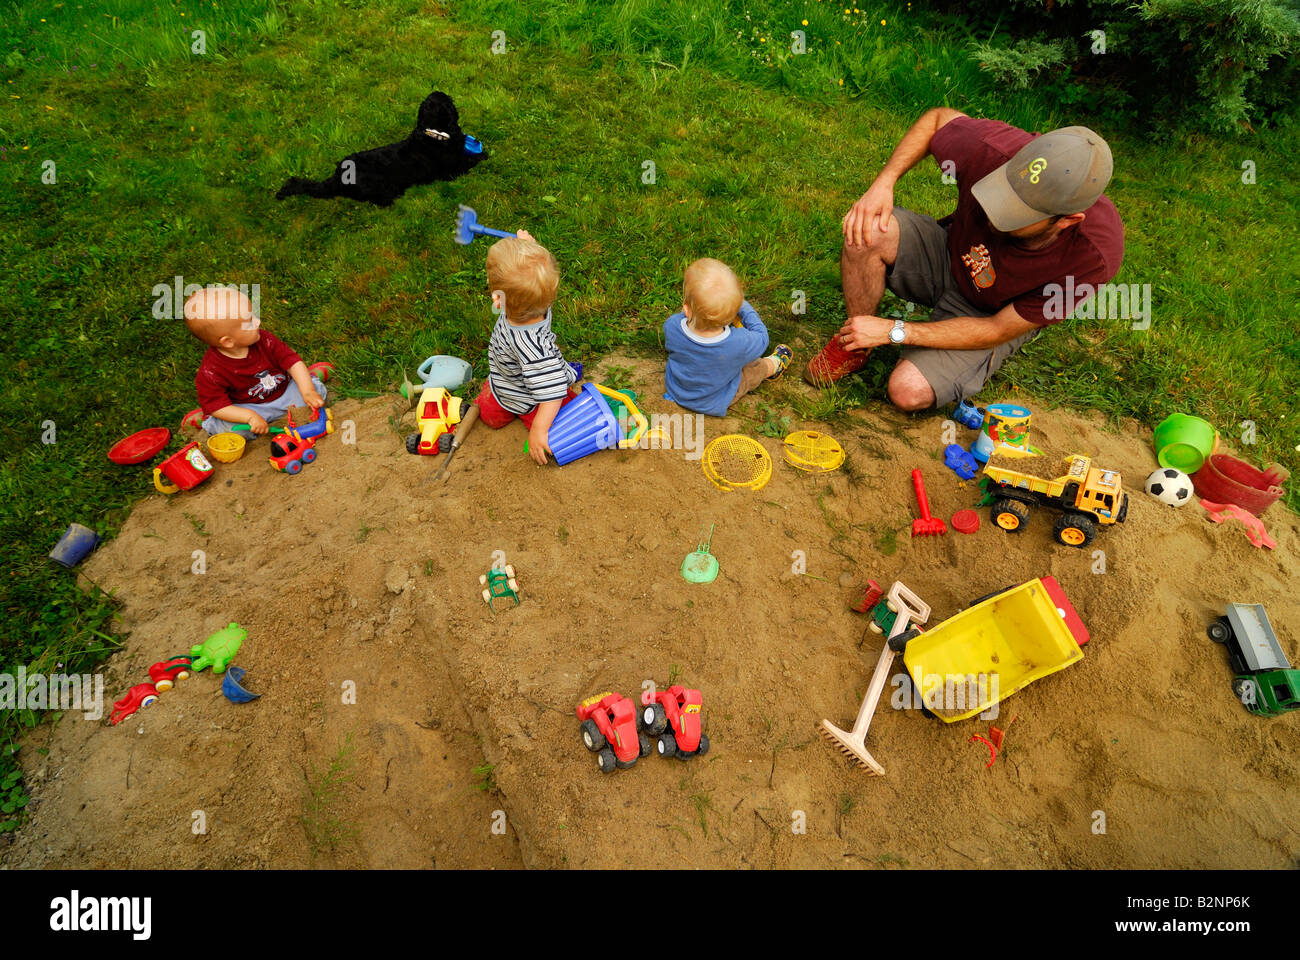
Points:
(927, 525)
(468, 227)
(466, 425)
(908, 609)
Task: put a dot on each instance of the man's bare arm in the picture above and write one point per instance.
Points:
(955, 333)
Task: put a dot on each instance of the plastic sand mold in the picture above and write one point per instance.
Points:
(735, 461)
(813, 451)
(701, 566)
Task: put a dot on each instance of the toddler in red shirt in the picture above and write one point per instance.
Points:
(248, 375)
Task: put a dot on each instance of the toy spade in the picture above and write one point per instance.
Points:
(468, 227)
(701, 566)
(908, 609)
(459, 437)
(230, 686)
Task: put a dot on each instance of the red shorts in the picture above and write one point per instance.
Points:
(497, 416)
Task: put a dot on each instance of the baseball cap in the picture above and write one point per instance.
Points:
(1061, 172)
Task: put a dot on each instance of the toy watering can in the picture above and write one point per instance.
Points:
(185, 469)
(439, 371)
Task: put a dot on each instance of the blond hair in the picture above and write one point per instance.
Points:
(526, 274)
(712, 293)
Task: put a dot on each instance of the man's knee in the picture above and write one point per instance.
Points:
(908, 389)
(883, 248)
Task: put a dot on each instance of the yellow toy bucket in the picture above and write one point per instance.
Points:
(987, 652)
(226, 447)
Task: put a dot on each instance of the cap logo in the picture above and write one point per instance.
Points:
(1036, 166)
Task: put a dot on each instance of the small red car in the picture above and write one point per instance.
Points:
(165, 674)
(289, 454)
(609, 731)
(673, 715)
(141, 695)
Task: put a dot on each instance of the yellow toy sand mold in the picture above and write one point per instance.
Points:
(812, 451)
(735, 462)
(998, 645)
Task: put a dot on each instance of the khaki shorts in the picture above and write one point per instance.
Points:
(921, 274)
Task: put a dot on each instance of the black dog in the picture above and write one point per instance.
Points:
(435, 150)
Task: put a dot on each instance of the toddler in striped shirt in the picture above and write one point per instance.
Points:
(528, 376)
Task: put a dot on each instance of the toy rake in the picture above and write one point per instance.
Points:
(468, 227)
(908, 609)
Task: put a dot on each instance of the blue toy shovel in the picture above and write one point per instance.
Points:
(468, 227)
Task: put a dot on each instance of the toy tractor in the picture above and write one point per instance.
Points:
(609, 722)
(498, 584)
(436, 414)
(673, 717)
(1265, 682)
(165, 674)
(1087, 496)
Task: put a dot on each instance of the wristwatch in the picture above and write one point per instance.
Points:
(896, 335)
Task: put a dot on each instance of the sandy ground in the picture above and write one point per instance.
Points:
(464, 746)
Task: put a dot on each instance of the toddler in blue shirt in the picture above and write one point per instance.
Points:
(716, 344)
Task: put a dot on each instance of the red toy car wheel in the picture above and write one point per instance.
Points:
(308, 456)
(704, 745)
(605, 761)
(293, 466)
(592, 738)
(667, 745)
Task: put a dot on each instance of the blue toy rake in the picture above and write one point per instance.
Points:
(468, 227)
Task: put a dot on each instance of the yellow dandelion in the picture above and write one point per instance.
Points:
(804, 22)
(841, 84)
(882, 23)
(762, 39)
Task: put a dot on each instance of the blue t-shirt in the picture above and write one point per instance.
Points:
(703, 373)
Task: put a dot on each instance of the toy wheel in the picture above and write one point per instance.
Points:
(413, 443)
(704, 745)
(293, 466)
(988, 595)
(444, 443)
(592, 738)
(899, 643)
(482, 579)
(605, 761)
(182, 675)
(645, 745)
(510, 571)
(147, 701)
(624, 764)
(1010, 515)
(513, 585)
(654, 719)
(667, 745)
(1075, 529)
(487, 596)
(162, 686)
(308, 456)
(1219, 631)
(1244, 690)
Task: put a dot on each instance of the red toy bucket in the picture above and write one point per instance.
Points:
(1225, 479)
(186, 469)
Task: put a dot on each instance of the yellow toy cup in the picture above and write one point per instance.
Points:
(226, 447)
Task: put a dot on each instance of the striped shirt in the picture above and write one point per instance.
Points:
(525, 367)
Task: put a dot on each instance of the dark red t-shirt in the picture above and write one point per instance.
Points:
(259, 377)
(990, 270)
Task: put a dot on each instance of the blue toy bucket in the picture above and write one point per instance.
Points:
(583, 425)
(77, 541)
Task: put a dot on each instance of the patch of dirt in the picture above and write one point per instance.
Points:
(356, 576)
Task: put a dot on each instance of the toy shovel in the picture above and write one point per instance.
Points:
(468, 227)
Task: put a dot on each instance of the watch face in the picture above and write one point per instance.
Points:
(896, 335)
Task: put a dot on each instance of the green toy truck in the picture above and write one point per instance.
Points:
(1265, 682)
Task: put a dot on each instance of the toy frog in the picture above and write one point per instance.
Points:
(219, 649)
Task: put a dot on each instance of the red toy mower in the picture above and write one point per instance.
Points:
(288, 454)
(165, 674)
(673, 715)
(609, 722)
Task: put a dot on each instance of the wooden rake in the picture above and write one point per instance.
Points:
(910, 609)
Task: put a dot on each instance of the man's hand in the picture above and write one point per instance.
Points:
(537, 445)
(864, 332)
(868, 219)
(312, 398)
(257, 424)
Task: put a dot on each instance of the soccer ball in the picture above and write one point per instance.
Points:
(1171, 487)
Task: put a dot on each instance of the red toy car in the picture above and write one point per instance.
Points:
(289, 454)
(609, 731)
(673, 715)
(165, 674)
(141, 695)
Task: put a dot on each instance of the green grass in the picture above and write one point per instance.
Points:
(167, 163)
(325, 828)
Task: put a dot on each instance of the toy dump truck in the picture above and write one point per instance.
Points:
(436, 414)
(1265, 683)
(1087, 496)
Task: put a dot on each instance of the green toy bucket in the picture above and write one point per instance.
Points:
(1184, 442)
